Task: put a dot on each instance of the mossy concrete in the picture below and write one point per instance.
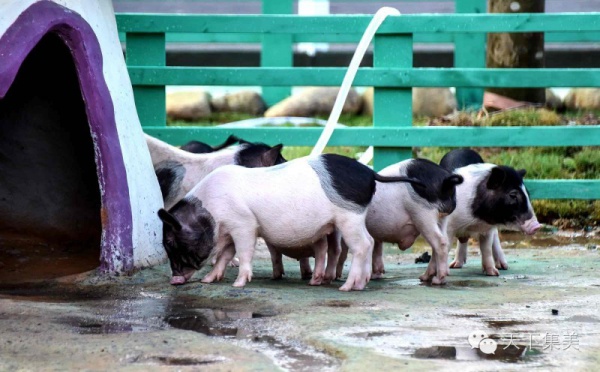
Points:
(93, 323)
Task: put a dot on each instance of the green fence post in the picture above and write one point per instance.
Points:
(277, 50)
(392, 106)
(148, 50)
(469, 51)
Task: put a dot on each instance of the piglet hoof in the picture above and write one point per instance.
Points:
(317, 280)
(211, 277)
(376, 275)
(234, 262)
(491, 271)
(178, 280)
(278, 276)
(456, 264)
(502, 265)
(436, 280)
(306, 274)
(240, 283)
(328, 278)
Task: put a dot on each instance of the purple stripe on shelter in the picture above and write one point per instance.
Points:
(19, 39)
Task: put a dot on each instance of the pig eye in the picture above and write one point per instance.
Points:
(513, 195)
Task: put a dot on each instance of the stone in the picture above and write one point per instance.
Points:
(245, 102)
(431, 102)
(188, 106)
(315, 101)
(583, 99)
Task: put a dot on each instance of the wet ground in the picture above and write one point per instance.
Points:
(541, 313)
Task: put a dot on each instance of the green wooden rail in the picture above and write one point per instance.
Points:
(392, 76)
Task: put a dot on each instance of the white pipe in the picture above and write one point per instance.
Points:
(359, 53)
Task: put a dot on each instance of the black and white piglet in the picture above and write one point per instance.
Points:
(399, 213)
(490, 197)
(178, 171)
(291, 205)
(197, 147)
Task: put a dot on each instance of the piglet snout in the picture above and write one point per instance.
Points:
(531, 226)
(178, 280)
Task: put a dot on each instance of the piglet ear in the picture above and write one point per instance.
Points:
(496, 178)
(269, 157)
(522, 172)
(450, 182)
(169, 219)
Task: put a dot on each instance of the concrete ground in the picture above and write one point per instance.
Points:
(133, 323)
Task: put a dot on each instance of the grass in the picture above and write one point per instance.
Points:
(540, 162)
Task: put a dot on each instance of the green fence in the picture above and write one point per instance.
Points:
(392, 76)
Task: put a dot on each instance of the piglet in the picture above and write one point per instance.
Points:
(490, 197)
(291, 205)
(178, 171)
(399, 213)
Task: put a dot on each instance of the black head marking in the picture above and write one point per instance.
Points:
(439, 184)
(255, 155)
(188, 235)
(501, 198)
(459, 158)
(170, 176)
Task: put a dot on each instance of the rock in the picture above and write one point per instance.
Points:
(188, 106)
(314, 101)
(246, 102)
(583, 99)
(553, 101)
(432, 102)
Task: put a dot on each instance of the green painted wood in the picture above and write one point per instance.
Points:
(392, 106)
(277, 51)
(353, 38)
(378, 77)
(148, 50)
(469, 51)
(563, 189)
(387, 135)
(341, 24)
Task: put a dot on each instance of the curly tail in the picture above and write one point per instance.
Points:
(412, 181)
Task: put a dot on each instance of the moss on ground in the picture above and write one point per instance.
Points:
(540, 162)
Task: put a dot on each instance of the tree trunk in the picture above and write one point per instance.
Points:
(518, 50)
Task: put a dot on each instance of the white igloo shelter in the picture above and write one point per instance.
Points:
(75, 171)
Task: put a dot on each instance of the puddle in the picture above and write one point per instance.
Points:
(241, 327)
(455, 284)
(510, 354)
(506, 323)
(180, 361)
(336, 303)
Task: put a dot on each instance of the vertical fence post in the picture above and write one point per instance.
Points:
(469, 51)
(148, 50)
(277, 50)
(392, 106)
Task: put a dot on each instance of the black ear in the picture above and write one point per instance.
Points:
(169, 219)
(496, 178)
(269, 157)
(522, 172)
(451, 181)
(244, 142)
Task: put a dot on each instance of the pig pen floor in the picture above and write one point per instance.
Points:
(85, 322)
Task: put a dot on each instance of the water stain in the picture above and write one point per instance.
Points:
(463, 283)
(181, 361)
(583, 319)
(239, 326)
(510, 354)
(372, 334)
(337, 303)
(506, 323)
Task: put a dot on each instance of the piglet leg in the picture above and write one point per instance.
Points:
(378, 267)
(277, 262)
(244, 244)
(498, 253)
(320, 249)
(460, 257)
(305, 269)
(339, 271)
(333, 255)
(487, 259)
(222, 260)
(358, 239)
